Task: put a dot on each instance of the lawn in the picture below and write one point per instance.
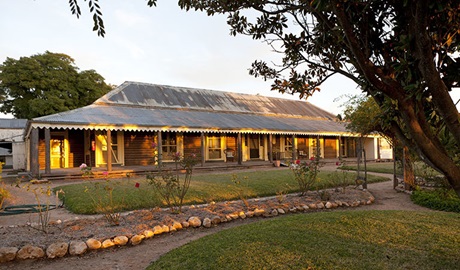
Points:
(83, 198)
(420, 169)
(328, 240)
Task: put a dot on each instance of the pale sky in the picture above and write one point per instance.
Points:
(159, 45)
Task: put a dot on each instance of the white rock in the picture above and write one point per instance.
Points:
(136, 239)
(259, 212)
(148, 233)
(234, 216)
(185, 224)
(107, 243)
(274, 212)
(281, 211)
(157, 230)
(77, 248)
(30, 252)
(120, 240)
(194, 222)
(177, 225)
(93, 243)
(216, 220)
(165, 228)
(57, 250)
(207, 222)
(7, 254)
(320, 205)
(305, 207)
(328, 205)
(249, 214)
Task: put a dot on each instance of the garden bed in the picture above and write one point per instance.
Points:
(145, 223)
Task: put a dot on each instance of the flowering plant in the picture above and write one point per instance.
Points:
(305, 173)
(169, 183)
(87, 171)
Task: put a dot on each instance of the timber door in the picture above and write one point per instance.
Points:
(116, 150)
(330, 148)
(254, 142)
(57, 154)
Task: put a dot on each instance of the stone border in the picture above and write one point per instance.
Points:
(79, 248)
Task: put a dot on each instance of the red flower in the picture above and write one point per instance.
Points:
(337, 163)
(137, 185)
(297, 161)
(312, 158)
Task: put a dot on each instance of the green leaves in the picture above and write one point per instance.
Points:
(46, 83)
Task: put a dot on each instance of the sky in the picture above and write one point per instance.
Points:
(159, 45)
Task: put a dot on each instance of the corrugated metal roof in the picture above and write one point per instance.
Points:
(161, 96)
(13, 123)
(139, 106)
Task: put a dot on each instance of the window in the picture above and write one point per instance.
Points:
(168, 145)
(114, 149)
(214, 147)
(288, 147)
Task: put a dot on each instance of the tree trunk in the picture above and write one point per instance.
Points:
(409, 177)
(428, 146)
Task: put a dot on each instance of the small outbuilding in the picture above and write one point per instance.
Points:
(12, 146)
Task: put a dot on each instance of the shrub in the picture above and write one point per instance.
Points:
(305, 173)
(438, 199)
(241, 189)
(102, 197)
(169, 184)
(4, 194)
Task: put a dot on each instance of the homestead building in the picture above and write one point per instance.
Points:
(136, 121)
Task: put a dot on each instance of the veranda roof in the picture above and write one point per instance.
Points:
(149, 107)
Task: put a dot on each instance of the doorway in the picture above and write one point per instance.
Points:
(254, 146)
(57, 154)
(330, 148)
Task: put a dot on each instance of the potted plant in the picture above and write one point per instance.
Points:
(276, 159)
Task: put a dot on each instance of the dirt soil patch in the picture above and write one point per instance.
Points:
(136, 222)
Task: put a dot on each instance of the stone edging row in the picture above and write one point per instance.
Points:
(78, 248)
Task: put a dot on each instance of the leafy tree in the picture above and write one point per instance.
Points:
(400, 52)
(364, 116)
(45, 84)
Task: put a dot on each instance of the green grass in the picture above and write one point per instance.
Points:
(204, 189)
(384, 167)
(332, 240)
(420, 169)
